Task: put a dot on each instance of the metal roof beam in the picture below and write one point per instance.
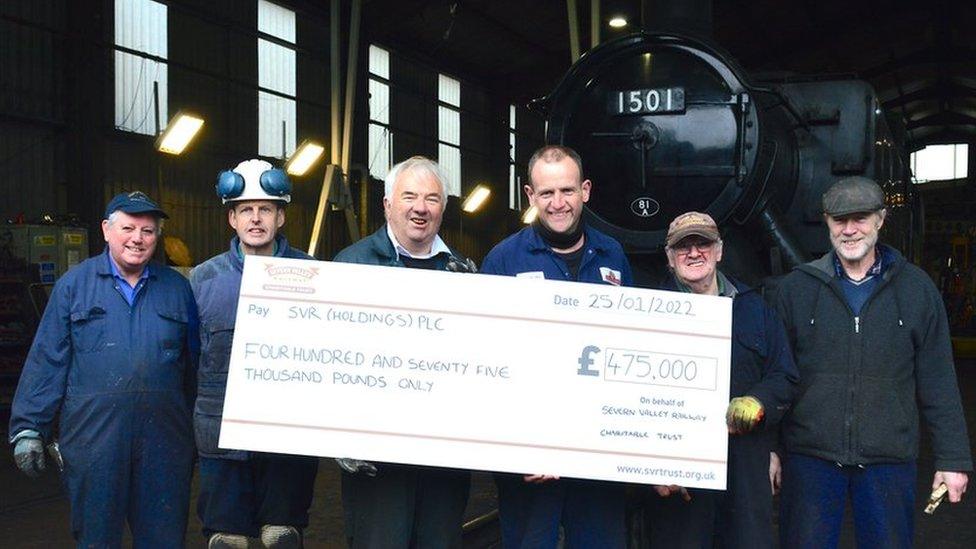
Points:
(935, 91)
(945, 118)
(931, 54)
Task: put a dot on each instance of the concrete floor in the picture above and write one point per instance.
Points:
(34, 513)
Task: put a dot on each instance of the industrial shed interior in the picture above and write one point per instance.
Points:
(90, 88)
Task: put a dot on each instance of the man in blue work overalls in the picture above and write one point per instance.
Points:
(115, 353)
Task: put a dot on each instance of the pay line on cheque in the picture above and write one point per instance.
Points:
(470, 440)
(482, 315)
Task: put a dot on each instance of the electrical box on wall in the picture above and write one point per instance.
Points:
(48, 250)
(73, 247)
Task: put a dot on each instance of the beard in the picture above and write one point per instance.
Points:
(863, 248)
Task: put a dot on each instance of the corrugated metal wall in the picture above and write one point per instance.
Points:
(32, 150)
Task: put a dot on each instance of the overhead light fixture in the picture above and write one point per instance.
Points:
(179, 133)
(476, 198)
(307, 154)
(618, 22)
(530, 215)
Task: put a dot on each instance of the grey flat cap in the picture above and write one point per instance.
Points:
(853, 194)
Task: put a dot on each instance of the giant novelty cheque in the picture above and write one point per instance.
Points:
(479, 372)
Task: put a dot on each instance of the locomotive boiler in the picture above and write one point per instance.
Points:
(667, 123)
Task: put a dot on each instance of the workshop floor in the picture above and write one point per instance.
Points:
(34, 513)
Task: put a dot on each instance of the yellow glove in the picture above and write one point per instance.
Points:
(744, 414)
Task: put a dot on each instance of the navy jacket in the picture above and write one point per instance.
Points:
(762, 362)
(525, 254)
(377, 249)
(108, 367)
(216, 285)
(762, 366)
(866, 377)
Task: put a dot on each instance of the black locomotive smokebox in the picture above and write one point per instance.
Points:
(664, 124)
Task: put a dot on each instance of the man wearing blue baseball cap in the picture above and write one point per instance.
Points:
(115, 354)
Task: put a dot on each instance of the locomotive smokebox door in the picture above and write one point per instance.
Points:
(664, 124)
(667, 123)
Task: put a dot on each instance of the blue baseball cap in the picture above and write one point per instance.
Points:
(135, 202)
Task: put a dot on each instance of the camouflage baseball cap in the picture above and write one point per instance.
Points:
(853, 194)
(692, 223)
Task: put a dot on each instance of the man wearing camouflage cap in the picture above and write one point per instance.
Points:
(871, 341)
(763, 381)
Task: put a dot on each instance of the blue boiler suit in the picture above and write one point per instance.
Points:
(591, 512)
(240, 491)
(122, 377)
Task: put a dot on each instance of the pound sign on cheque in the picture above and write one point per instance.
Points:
(585, 361)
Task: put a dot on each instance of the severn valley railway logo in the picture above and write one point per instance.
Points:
(290, 278)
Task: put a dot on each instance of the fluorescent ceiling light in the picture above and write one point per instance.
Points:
(618, 22)
(179, 133)
(530, 215)
(476, 198)
(307, 154)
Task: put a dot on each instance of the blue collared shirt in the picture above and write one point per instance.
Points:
(128, 291)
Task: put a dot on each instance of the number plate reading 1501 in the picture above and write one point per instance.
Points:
(651, 368)
(656, 101)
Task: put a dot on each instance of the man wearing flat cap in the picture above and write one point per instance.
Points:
(114, 354)
(871, 340)
(762, 384)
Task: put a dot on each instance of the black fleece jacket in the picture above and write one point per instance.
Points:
(865, 378)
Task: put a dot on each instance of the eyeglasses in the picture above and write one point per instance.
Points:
(685, 248)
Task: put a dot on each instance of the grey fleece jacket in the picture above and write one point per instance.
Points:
(864, 379)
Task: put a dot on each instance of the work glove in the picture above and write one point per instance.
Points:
(456, 266)
(744, 414)
(356, 466)
(29, 453)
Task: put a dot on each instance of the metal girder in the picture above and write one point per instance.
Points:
(396, 13)
(931, 54)
(932, 135)
(574, 40)
(944, 118)
(937, 90)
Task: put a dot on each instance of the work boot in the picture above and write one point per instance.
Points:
(221, 540)
(281, 537)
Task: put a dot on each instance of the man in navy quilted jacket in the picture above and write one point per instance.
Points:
(243, 494)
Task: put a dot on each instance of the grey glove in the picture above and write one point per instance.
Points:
(29, 454)
(456, 266)
(356, 466)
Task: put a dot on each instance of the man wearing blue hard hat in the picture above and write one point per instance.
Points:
(115, 354)
(243, 494)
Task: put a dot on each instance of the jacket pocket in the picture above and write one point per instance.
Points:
(748, 357)
(172, 330)
(218, 338)
(88, 329)
(206, 432)
(887, 423)
(817, 420)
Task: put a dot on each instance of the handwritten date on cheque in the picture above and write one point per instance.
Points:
(628, 303)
